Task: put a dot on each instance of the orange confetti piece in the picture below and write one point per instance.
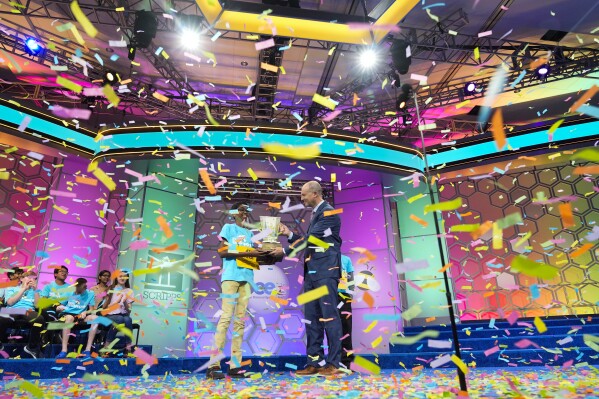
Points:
(206, 179)
(447, 266)
(584, 98)
(63, 361)
(565, 211)
(368, 299)
(421, 222)
(168, 233)
(587, 170)
(86, 180)
(486, 226)
(5, 284)
(582, 250)
(137, 232)
(498, 130)
(111, 308)
(176, 313)
(171, 247)
(280, 301)
(333, 212)
(22, 190)
(429, 319)
(276, 205)
(538, 62)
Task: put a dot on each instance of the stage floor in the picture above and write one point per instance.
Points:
(538, 382)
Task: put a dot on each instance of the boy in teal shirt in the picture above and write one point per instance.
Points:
(75, 310)
(345, 293)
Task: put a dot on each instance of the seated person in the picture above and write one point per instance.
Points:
(76, 309)
(20, 302)
(13, 277)
(57, 289)
(119, 301)
(100, 290)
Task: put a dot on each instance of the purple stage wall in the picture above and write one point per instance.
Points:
(64, 230)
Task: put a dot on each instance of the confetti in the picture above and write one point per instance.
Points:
(310, 151)
(528, 267)
(82, 19)
(444, 206)
(312, 295)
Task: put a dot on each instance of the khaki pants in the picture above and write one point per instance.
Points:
(234, 305)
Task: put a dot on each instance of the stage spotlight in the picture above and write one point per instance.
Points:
(32, 46)
(470, 88)
(403, 97)
(401, 56)
(109, 78)
(368, 58)
(190, 38)
(542, 71)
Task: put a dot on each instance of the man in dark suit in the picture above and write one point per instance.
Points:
(322, 267)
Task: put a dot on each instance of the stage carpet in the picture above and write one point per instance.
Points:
(537, 382)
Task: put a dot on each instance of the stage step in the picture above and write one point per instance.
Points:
(52, 350)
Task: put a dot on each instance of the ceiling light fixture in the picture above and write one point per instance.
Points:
(190, 38)
(542, 71)
(470, 88)
(369, 58)
(33, 46)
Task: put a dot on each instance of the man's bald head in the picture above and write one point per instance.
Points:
(311, 193)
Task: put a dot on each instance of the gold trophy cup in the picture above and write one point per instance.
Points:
(271, 241)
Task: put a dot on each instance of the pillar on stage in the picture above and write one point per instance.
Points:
(418, 241)
(167, 199)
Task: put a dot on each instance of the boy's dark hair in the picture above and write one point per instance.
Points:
(58, 269)
(15, 270)
(238, 204)
(81, 281)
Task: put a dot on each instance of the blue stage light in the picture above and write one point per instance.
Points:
(32, 46)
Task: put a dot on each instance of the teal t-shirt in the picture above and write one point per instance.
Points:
(78, 303)
(53, 290)
(236, 235)
(27, 300)
(346, 267)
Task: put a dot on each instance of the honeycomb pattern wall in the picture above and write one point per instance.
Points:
(23, 203)
(270, 328)
(484, 285)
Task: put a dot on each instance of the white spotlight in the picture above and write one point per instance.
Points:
(369, 58)
(190, 38)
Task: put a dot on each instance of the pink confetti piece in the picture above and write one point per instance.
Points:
(512, 318)
(75, 113)
(525, 343)
(440, 361)
(492, 350)
(67, 194)
(435, 343)
(486, 33)
(265, 44)
(139, 244)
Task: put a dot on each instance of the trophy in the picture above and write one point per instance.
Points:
(271, 241)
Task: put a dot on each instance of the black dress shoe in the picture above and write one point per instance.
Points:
(214, 373)
(237, 373)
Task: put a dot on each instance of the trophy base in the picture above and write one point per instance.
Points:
(268, 259)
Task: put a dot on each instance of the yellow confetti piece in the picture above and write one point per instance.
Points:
(554, 127)
(333, 212)
(67, 84)
(412, 312)
(77, 35)
(160, 97)
(477, 53)
(82, 19)
(460, 363)
(325, 102)
(105, 179)
(415, 198)
(462, 104)
(310, 151)
(367, 365)
(433, 284)
(269, 67)
(195, 100)
(376, 342)
(319, 242)
(409, 340)
(497, 236)
(111, 95)
(370, 326)
(4, 175)
(531, 268)
(209, 116)
(44, 303)
(465, 228)
(444, 206)
(283, 71)
(540, 325)
(61, 210)
(165, 55)
(588, 154)
(312, 295)
(591, 341)
(333, 177)
(252, 174)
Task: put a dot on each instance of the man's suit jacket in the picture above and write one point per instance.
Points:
(319, 263)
